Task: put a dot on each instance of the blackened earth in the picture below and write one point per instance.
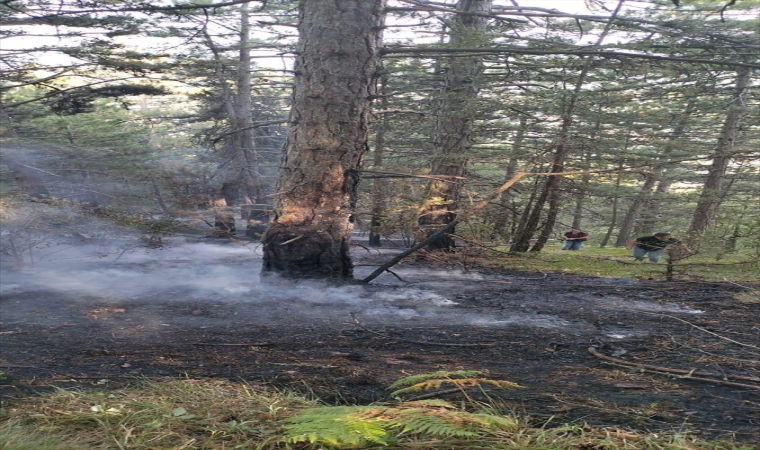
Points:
(635, 354)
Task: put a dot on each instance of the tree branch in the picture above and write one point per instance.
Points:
(390, 51)
(469, 213)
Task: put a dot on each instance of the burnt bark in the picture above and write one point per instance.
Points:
(335, 74)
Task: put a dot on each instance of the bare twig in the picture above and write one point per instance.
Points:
(705, 330)
(254, 344)
(685, 374)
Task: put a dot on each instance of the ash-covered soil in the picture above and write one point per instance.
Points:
(634, 354)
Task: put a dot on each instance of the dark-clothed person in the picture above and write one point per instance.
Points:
(574, 239)
(652, 246)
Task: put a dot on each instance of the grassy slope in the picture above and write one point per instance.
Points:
(196, 414)
(617, 262)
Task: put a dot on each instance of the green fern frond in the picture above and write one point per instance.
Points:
(442, 423)
(338, 426)
(500, 422)
(356, 426)
(441, 374)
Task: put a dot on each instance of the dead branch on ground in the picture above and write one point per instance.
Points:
(683, 374)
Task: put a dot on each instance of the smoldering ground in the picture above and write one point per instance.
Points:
(225, 275)
(109, 309)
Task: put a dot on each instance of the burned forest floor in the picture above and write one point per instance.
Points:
(634, 354)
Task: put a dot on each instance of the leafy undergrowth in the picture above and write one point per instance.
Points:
(202, 414)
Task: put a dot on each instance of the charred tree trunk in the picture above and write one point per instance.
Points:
(452, 137)
(712, 191)
(335, 70)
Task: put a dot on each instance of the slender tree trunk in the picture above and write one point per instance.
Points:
(581, 192)
(615, 201)
(159, 197)
(335, 71)
(379, 185)
(712, 191)
(27, 178)
(632, 215)
(649, 203)
(508, 215)
(238, 169)
(7, 128)
(550, 193)
(452, 137)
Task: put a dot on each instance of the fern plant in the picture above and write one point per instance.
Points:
(358, 426)
(434, 380)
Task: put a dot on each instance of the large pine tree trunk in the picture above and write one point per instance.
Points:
(335, 70)
(452, 137)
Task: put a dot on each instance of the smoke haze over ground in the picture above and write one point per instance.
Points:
(104, 309)
(226, 273)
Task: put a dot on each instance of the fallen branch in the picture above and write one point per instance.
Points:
(471, 212)
(706, 331)
(263, 344)
(685, 374)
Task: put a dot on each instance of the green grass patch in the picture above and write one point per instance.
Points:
(618, 263)
(216, 415)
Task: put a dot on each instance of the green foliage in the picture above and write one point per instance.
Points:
(351, 426)
(339, 425)
(348, 426)
(618, 263)
(217, 415)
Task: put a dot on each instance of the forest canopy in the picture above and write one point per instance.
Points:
(647, 110)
